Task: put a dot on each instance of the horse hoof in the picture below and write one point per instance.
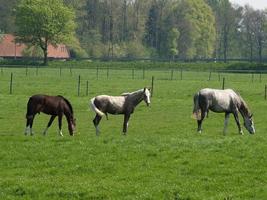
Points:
(199, 132)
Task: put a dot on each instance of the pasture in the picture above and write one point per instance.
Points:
(162, 156)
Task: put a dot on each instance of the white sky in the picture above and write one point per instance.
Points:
(257, 4)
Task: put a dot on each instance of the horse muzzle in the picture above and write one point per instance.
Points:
(252, 131)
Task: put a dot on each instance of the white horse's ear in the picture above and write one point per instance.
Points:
(144, 89)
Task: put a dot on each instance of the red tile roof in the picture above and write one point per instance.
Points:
(8, 48)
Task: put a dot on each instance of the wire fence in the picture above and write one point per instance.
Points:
(77, 79)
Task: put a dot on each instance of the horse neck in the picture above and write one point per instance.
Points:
(68, 113)
(136, 97)
(244, 109)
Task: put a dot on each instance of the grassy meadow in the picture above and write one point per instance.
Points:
(162, 156)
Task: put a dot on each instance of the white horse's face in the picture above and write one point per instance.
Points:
(147, 96)
(248, 123)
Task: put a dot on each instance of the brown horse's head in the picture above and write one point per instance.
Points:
(72, 125)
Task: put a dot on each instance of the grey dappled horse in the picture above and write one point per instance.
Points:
(124, 104)
(227, 101)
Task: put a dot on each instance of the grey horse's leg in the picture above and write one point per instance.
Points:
(199, 122)
(125, 123)
(96, 121)
(238, 123)
(226, 120)
(49, 123)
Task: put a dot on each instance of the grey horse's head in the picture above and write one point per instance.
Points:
(248, 123)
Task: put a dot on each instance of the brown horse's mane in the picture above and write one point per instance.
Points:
(68, 103)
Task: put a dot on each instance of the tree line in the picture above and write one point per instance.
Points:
(167, 29)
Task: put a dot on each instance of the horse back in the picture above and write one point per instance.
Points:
(51, 105)
(110, 104)
(220, 100)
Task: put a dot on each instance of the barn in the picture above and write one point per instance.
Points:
(12, 50)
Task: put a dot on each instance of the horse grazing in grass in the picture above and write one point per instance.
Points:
(51, 105)
(124, 104)
(227, 101)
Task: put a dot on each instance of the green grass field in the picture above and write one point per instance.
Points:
(162, 157)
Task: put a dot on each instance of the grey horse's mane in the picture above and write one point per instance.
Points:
(129, 93)
(244, 106)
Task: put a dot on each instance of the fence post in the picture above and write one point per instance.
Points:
(79, 84)
(60, 71)
(36, 70)
(252, 76)
(2, 71)
(27, 71)
(210, 76)
(265, 93)
(172, 74)
(133, 73)
(71, 70)
(181, 75)
(87, 87)
(107, 72)
(223, 83)
(152, 86)
(97, 72)
(143, 72)
(11, 84)
(260, 77)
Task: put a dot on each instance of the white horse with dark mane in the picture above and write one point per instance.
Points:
(124, 104)
(227, 101)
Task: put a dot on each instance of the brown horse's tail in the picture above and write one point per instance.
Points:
(30, 109)
(196, 110)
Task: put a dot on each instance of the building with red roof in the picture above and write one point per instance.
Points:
(10, 49)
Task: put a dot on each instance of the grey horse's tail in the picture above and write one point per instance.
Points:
(95, 109)
(196, 110)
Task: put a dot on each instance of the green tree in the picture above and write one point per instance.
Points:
(44, 22)
(173, 42)
(195, 21)
(7, 19)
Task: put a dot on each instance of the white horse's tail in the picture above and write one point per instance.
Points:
(196, 111)
(95, 109)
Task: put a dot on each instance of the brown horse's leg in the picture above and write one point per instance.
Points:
(96, 121)
(125, 123)
(29, 124)
(49, 123)
(60, 124)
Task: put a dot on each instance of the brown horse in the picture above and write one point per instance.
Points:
(124, 104)
(51, 105)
